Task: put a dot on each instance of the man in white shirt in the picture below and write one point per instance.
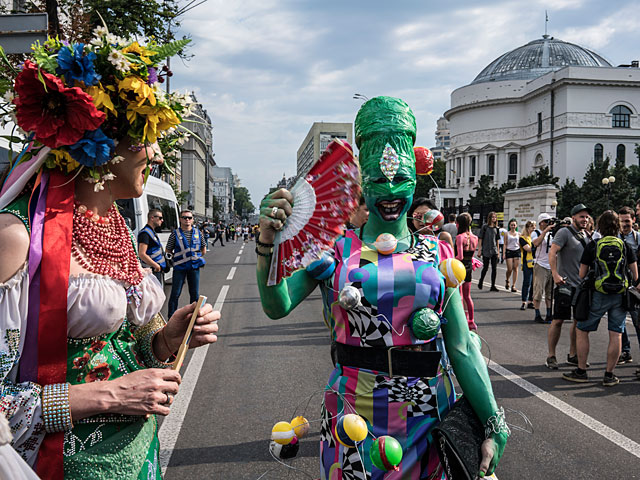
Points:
(542, 277)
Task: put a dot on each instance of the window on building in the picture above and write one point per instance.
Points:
(621, 116)
(621, 152)
(513, 167)
(491, 165)
(472, 168)
(598, 152)
(539, 123)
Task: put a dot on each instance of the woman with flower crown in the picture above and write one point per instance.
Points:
(83, 350)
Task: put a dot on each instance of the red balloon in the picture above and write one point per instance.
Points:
(424, 160)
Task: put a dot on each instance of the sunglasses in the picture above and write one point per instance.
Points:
(187, 218)
(157, 216)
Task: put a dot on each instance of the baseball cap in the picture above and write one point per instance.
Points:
(579, 208)
(543, 217)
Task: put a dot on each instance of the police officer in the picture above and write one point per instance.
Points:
(149, 247)
(187, 245)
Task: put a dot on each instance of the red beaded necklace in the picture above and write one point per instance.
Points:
(103, 245)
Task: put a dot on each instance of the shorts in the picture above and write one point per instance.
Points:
(602, 303)
(512, 254)
(542, 283)
(562, 302)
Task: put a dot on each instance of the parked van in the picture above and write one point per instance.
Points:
(157, 194)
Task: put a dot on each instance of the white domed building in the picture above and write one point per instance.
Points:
(547, 103)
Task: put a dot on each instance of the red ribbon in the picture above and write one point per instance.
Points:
(52, 325)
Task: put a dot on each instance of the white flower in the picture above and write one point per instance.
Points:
(8, 96)
(98, 186)
(119, 61)
(96, 42)
(117, 159)
(111, 39)
(100, 30)
(108, 177)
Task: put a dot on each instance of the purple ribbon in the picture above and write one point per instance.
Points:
(29, 360)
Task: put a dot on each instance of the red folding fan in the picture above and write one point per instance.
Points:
(323, 202)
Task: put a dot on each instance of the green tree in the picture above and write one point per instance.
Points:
(540, 177)
(216, 207)
(634, 180)
(594, 193)
(485, 193)
(242, 200)
(622, 191)
(424, 183)
(570, 194)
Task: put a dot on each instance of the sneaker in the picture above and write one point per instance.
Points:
(479, 285)
(625, 357)
(513, 289)
(638, 373)
(551, 363)
(538, 319)
(574, 376)
(522, 307)
(494, 289)
(574, 360)
(530, 306)
(610, 381)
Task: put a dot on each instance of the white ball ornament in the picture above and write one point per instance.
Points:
(349, 297)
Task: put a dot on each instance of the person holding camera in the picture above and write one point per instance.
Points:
(542, 279)
(568, 245)
(607, 260)
(149, 246)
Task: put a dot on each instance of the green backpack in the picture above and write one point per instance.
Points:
(610, 266)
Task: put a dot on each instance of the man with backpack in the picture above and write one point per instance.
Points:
(542, 279)
(564, 259)
(607, 261)
(630, 236)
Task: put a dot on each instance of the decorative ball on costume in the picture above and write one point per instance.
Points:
(386, 243)
(300, 426)
(424, 323)
(454, 272)
(285, 452)
(282, 433)
(386, 453)
(350, 429)
(433, 218)
(322, 268)
(424, 160)
(349, 297)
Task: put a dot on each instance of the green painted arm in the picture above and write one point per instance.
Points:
(278, 301)
(469, 367)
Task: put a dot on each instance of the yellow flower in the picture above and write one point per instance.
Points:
(156, 120)
(101, 99)
(63, 160)
(142, 52)
(135, 90)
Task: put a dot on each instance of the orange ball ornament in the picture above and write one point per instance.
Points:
(454, 272)
(424, 160)
(386, 243)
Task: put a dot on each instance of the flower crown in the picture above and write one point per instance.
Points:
(80, 99)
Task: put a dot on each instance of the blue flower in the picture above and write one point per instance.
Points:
(75, 65)
(93, 150)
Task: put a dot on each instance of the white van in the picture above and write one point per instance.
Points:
(157, 194)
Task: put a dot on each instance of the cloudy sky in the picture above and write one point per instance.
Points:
(265, 70)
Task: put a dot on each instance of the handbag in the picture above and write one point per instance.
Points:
(458, 439)
(168, 264)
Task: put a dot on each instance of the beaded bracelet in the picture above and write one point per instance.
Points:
(265, 245)
(497, 424)
(56, 411)
(260, 254)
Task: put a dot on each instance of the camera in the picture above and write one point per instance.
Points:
(557, 224)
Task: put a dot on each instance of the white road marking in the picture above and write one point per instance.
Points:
(237, 259)
(232, 272)
(170, 429)
(600, 428)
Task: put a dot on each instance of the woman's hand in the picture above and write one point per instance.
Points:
(204, 330)
(492, 449)
(142, 392)
(274, 210)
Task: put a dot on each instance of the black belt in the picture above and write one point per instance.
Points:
(392, 360)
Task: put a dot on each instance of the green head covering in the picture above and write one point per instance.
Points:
(385, 129)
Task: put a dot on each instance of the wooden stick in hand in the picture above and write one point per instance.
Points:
(184, 346)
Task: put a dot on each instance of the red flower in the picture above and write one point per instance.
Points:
(98, 374)
(57, 115)
(97, 346)
(80, 362)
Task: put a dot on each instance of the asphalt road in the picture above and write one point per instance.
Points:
(263, 371)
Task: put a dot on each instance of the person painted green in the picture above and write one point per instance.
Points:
(403, 397)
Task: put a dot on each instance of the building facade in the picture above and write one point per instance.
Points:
(223, 186)
(319, 136)
(548, 103)
(443, 141)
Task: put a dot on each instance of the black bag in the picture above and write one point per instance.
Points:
(458, 439)
(168, 264)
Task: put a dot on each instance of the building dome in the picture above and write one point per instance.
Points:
(537, 58)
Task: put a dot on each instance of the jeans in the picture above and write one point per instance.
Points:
(602, 303)
(494, 263)
(527, 283)
(193, 279)
(626, 343)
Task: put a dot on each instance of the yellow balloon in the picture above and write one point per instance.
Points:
(355, 427)
(282, 433)
(300, 426)
(454, 272)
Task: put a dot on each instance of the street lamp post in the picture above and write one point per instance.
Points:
(608, 182)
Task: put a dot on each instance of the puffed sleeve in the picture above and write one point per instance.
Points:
(19, 402)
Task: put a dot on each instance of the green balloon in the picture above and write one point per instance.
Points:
(424, 323)
(386, 453)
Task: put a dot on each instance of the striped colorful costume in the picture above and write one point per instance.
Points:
(392, 288)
